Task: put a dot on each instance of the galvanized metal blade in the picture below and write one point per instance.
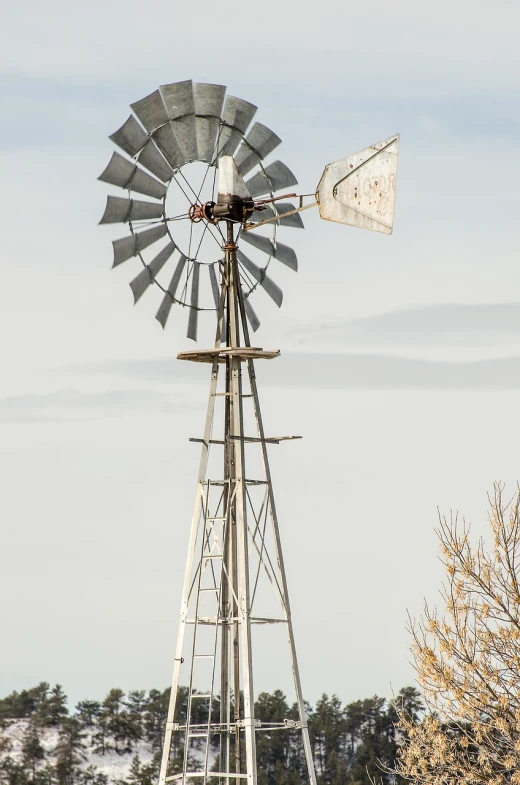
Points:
(151, 159)
(252, 318)
(130, 246)
(194, 302)
(142, 281)
(168, 299)
(179, 101)
(121, 210)
(236, 118)
(124, 173)
(274, 291)
(131, 137)
(282, 252)
(259, 142)
(178, 98)
(151, 111)
(209, 99)
(360, 190)
(293, 220)
(165, 139)
(274, 177)
(214, 285)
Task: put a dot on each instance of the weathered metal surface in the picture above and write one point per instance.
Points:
(167, 301)
(259, 142)
(230, 183)
(274, 291)
(274, 177)
(194, 302)
(237, 115)
(360, 190)
(166, 141)
(147, 275)
(242, 352)
(121, 210)
(179, 100)
(279, 251)
(130, 246)
(276, 213)
(208, 99)
(124, 173)
(131, 137)
(252, 318)
(151, 111)
(151, 159)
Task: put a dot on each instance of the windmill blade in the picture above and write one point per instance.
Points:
(209, 99)
(194, 302)
(278, 209)
(214, 286)
(168, 299)
(130, 246)
(274, 177)
(274, 291)
(151, 111)
(147, 276)
(216, 297)
(259, 142)
(131, 137)
(151, 159)
(165, 139)
(121, 210)
(126, 174)
(360, 190)
(179, 101)
(236, 118)
(252, 318)
(282, 252)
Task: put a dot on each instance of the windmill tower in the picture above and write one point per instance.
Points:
(235, 585)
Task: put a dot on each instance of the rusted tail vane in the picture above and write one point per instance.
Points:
(360, 190)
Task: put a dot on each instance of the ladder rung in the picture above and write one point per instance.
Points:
(219, 518)
(203, 656)
(213, 589)
(197, 735)
(212, 556)
(201, 695)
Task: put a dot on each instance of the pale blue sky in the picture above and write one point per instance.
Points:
(400, 355)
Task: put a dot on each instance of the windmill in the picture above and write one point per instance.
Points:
(207, 237)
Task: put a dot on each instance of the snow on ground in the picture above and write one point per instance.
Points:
(114, 764)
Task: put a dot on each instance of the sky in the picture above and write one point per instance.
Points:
(400, 356)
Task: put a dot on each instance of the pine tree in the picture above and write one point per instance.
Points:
(327, 729)
(155, 713)
(53, 708)
(22, 704)
(112, 716)
(87, 712)
(70, 752)
(32, 750)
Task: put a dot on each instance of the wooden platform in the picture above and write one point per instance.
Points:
(242, 352)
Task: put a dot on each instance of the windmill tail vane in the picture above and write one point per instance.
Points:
(192, 151)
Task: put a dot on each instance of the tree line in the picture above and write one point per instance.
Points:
(352, 743)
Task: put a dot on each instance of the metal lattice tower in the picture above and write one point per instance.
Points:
(235, 584)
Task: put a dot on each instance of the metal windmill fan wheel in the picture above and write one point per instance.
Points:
(169, 131)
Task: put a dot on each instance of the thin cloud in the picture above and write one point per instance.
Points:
(73, 405)
(332, 371)
(457, 324)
